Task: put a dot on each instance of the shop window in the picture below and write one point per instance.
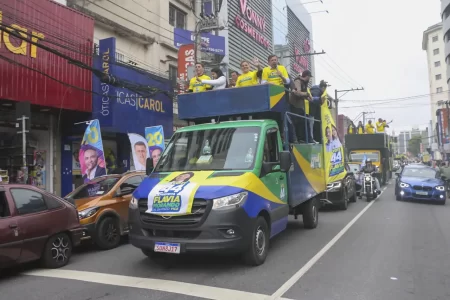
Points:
(177, 17)
(28, 201)
(271, 146)
(173, 74)
(438, 77)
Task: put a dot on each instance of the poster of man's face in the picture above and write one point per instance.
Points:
(140, 149)
(156, 154)
(90, 159)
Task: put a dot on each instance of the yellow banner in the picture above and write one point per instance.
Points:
(174, 195)
(333, 149)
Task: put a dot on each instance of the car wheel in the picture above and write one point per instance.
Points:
(57, 251)
(344, 204)
(353, 197)
(108, 234)
(311, 214)
(257, 252)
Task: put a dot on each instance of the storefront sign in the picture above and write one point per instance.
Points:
(123, 110)
(301, 62)
(17, 45)
(249, 19)
(209, 43)
(186, 59)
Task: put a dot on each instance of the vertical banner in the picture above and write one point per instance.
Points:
(155, 140)
(333, 150)
(140, 151)
(91, 156)
(186, 58)
(102, 101)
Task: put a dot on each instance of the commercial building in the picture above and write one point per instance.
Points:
(434, 45)
(405, 136)
(445, 14)
(41, 85)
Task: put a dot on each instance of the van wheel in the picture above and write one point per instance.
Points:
(311, 214)
(108, 234)
(57, 251)
(257, 252)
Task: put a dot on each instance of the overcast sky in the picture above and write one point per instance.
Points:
(377, 45)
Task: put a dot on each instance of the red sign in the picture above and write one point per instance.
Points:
(301, 62)
(251, 17)
(30, 73)
(186, 58)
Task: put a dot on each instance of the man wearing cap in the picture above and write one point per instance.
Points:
(300, 106)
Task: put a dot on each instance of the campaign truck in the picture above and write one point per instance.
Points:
(229, 183)
(376, 147)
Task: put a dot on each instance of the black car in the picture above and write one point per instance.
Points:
(340, 193)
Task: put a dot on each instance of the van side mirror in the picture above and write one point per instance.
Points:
(285, 161)
(149, 166)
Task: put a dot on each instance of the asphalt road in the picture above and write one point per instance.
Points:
(384, 250)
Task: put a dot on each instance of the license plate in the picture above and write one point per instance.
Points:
(167, 247)
(422, 193)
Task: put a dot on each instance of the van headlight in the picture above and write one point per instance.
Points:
(440, 188)
(84, 214)
(334, 185)
(230, 201)
(133, 203)
(404, 185)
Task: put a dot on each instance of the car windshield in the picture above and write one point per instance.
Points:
(96, 187)
(419, 172)
(211, 149)
(359, 156)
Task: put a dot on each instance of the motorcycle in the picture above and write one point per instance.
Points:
(367, 186)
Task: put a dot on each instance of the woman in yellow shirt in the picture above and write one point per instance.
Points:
(248, 78)
(370, 128)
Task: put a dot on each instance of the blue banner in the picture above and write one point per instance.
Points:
(91, 155)
(123, 110)
(155, 140)
(209, 43)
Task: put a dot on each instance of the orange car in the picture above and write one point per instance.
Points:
(102, 207)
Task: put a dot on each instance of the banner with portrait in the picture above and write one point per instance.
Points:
(140, 151)
(155, 140)
(92, 156)
(333, 149)
(174, 195)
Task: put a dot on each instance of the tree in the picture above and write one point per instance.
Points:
(414, 145)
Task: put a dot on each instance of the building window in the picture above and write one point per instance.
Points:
(435, 38)
(173, 74)
(177, 17)
(439, 90)
(438, 77)
(436, 51)
(437, 63)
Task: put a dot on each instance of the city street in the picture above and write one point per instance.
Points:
(383, 250)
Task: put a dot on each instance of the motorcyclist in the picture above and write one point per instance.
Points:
(370, 168)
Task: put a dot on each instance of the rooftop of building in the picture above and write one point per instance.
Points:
(431, 29)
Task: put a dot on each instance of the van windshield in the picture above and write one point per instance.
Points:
(96, 187)
(211, 149)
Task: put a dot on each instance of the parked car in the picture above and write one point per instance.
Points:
(36, 225)
(418, 182)
(340, 193)
(102, 206)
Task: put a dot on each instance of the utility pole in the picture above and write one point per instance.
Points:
(364, 113)
(24, 132)
(336, 99)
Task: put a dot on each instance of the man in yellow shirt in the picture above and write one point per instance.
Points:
(370, 128)
(381, 125)
(248, 78)
(275, 73)
(195, 84)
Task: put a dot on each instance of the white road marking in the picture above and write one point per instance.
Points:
(296, 277)
(176, 287)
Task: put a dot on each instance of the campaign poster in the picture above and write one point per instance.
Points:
(92, 156)
(155, 140)
(174, 195)
(333, 149)
(140, 151)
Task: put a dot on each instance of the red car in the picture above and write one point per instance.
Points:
(36, 225)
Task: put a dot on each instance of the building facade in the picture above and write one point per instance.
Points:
(445, 15)
(434, 45)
